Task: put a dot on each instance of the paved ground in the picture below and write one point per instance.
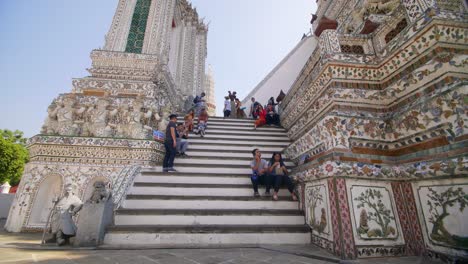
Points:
(172, 256)
(26, 248)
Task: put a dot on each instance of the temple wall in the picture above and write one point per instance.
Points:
(379, 132)
(103, 128)
(56, 161)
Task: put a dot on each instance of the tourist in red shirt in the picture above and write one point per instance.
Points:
(261, 121)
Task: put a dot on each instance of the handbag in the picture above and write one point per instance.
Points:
(279, 171)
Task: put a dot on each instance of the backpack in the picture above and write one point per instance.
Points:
(196, 99)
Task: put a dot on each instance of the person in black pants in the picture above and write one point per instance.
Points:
(259, 173)
(272, 118)
(279, 174)
(170, 143)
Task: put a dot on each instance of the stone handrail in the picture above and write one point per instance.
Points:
(122, 183)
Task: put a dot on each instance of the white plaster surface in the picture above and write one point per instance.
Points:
(283, 76)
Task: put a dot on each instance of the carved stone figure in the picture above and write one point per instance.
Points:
(50, 126)
(62, 225)
(65, 118)
(164, 120)
(99, 119)
(370, 7)
(100, 194)
(135, 125)
(121, 120)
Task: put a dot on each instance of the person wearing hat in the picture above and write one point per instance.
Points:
(170, 143)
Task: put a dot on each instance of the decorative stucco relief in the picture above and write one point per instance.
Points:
(442, 212)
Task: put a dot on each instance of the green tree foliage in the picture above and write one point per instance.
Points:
(13, 156)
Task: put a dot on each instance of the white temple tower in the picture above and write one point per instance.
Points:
(210, 92)
(152, 61)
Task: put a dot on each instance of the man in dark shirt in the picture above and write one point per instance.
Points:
(170, 143)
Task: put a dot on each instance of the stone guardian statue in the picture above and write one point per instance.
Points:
(62, 225)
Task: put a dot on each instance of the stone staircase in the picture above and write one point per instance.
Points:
(209, 201)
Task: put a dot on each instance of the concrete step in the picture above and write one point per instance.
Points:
(197, 190)
(227, 154)
(193, 219)
(252, 136)
(230, 131)
(199, 146)
(248, 128)
(220, 119)
(214, 169)
(193, 179)
(209, 204)
(154, 172)
(206, 212)
(233, 142)
(210, 228)
(210, 170)
(213, 161)
(283, 196)
(198, 236)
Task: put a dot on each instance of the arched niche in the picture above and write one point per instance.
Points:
(50, 188)
(89, 187)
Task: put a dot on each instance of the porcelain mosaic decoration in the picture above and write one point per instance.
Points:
(377, 121)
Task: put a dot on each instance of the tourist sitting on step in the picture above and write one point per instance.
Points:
(279, 174)
(261, 113)
(259, 173)
(181, 138)
(170, 144)
(253, 108)
(202, 122)
(239, 109)
(188, 120)
(272, 118)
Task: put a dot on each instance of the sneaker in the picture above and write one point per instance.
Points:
(256, 194)
(171, 170)
(165, 170)
(267, 194)
(275, 197)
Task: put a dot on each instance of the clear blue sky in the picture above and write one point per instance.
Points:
(44, 44)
